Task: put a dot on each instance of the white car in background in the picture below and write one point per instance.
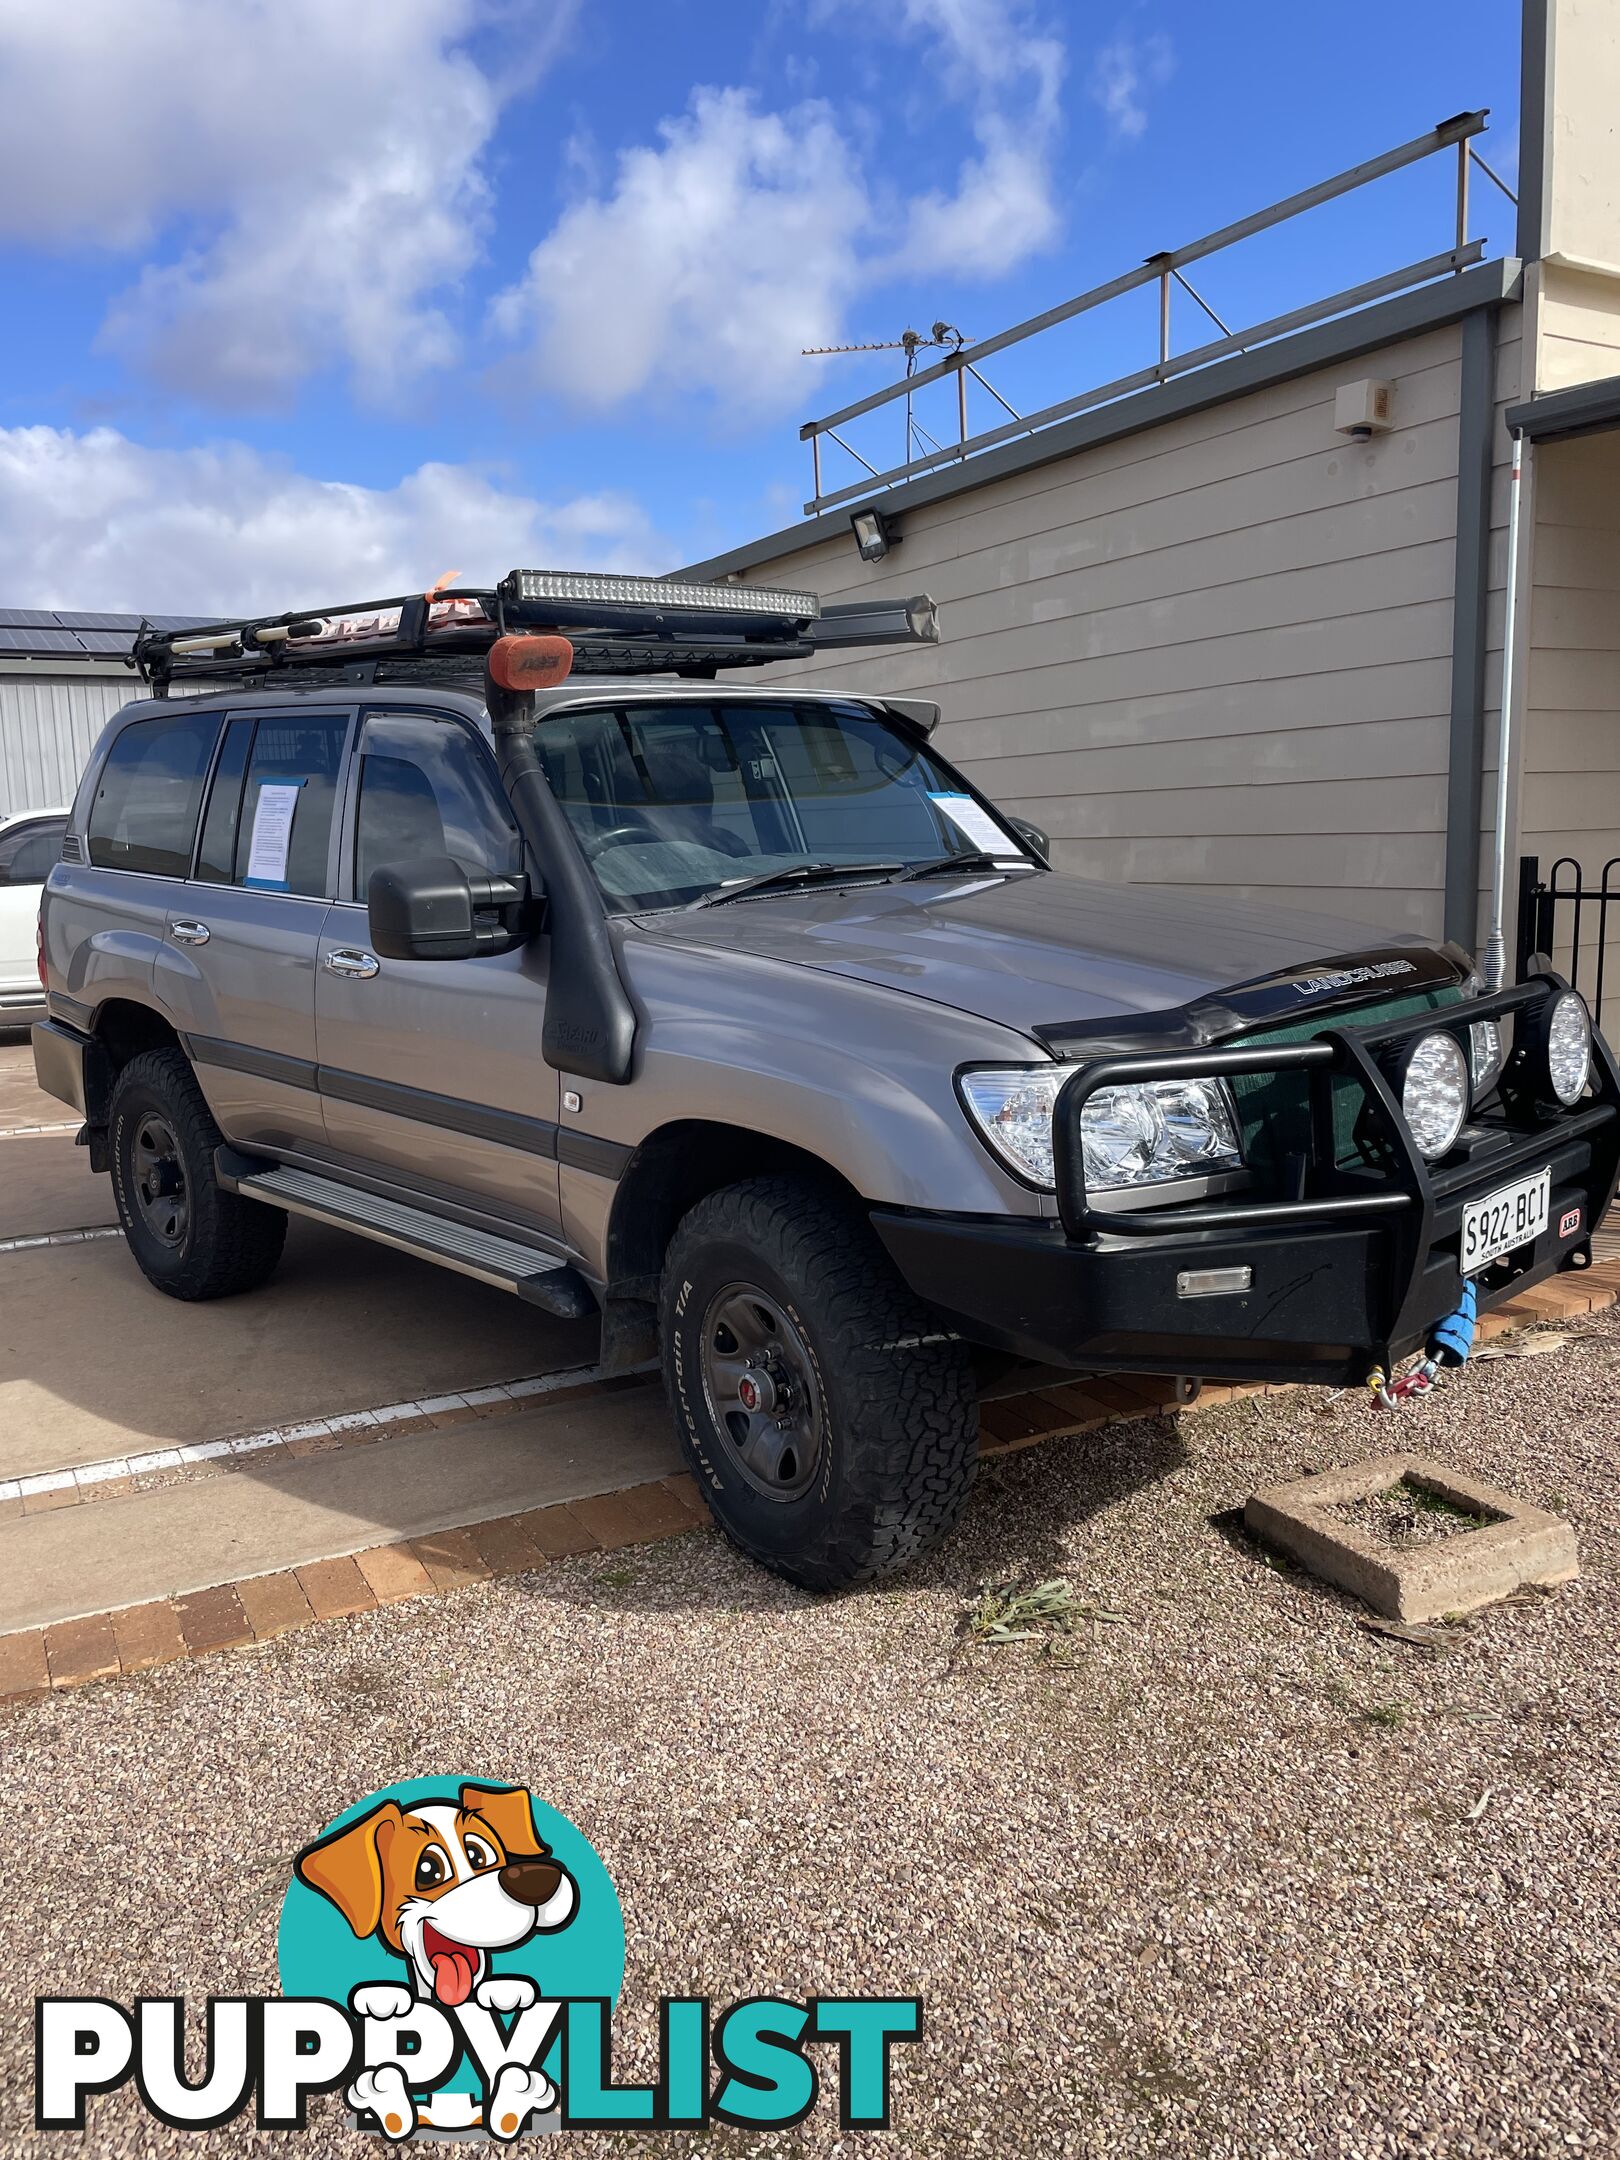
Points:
(30, 842)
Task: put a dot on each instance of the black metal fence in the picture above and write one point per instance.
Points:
(1567, 918)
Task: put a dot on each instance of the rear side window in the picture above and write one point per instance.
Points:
(26, 855)
(144, 816)
(216, 858)
(284, 828)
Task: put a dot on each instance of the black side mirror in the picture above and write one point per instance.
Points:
(1033, 836)
(428, 909)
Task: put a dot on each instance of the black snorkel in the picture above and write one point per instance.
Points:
(590, 1023)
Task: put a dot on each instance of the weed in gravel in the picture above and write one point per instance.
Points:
(1005, 1614)
(1388, 1713)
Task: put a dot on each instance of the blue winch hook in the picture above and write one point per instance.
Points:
(1450, 1341)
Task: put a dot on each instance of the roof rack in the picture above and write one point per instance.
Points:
(616, 626)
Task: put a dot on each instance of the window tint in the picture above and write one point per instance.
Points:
(216, 857)
(27, 854)
(144, 816)
(426, 788)
(285, 826)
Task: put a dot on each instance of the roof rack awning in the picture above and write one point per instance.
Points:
(616, 625)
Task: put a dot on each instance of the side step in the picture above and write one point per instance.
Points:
(539, 1278)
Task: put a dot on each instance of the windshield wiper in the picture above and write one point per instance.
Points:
(795, 874)
(973, 859)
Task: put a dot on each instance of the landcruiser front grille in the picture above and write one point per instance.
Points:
(1274, 1109)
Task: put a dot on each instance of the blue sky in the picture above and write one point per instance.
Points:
(309, 300)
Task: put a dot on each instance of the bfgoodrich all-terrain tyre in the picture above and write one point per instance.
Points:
(189, 1236)
(832, 1424)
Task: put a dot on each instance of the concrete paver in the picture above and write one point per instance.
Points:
(183, 1539)
(96, 1363)
(21, 1101)
(46, 1184)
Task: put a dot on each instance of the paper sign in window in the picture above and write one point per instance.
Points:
(272, 834)
(975, 824)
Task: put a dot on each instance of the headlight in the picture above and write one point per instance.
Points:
(1484, 1055)
(1141, 1135)
(1569, 1048)
(1434, 1093)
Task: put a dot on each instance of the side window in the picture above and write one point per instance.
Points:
(216, 856)
(426, 788)
(27, 854)
(284, 826)
(144, 816)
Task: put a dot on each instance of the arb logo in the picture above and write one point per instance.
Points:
(450, 1953)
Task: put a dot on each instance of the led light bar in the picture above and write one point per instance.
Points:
(590, 587)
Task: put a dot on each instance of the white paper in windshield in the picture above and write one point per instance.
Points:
(975, 824)
(272, 834)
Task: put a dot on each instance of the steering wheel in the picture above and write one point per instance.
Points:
(616, 836)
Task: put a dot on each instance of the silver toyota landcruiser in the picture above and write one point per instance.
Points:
(493, 926)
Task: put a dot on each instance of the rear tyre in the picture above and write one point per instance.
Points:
(190, 1237)
(831, 1423)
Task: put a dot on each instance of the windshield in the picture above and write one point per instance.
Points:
(672, 802)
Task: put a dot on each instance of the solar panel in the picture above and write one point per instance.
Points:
(75, 621)
(22, 618)
(39, 641)
(102, 642)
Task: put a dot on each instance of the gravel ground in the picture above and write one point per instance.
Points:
(1227, 1875)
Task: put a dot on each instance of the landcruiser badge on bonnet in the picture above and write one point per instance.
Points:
(1347, 978)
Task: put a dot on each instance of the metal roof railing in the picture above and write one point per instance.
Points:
(1166, 270)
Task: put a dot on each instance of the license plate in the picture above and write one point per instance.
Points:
(1510, 1216)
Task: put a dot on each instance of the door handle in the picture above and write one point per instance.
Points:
(350, 960)
(189, 933)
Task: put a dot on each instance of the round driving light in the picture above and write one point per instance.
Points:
(1434, 1093)
(1569, 1048)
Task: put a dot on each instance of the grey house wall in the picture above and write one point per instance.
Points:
(1214, 653)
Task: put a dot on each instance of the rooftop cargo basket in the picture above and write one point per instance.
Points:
(616, 626)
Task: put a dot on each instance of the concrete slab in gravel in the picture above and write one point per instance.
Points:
(94, 1362)
(125, 1551)
(1456, 1573)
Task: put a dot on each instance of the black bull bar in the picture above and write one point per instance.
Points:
(1410, 1197)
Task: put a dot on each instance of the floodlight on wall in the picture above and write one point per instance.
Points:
(874, 533)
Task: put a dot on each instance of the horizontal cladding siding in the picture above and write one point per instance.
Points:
(1215, 653)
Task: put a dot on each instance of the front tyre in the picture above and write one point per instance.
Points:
(190, 1237)
(830, 1421)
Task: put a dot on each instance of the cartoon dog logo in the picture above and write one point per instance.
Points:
(444, 1885)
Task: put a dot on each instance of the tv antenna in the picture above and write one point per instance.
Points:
(911, 343)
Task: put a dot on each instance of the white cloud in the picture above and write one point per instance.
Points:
(316, 162)
(744, 235)
(714, 258)
(96, 520)
(1124, 72)
(1009, 77)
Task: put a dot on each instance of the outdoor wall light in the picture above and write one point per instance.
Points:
(874, 533)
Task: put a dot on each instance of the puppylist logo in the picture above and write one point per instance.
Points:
(450, 1952)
